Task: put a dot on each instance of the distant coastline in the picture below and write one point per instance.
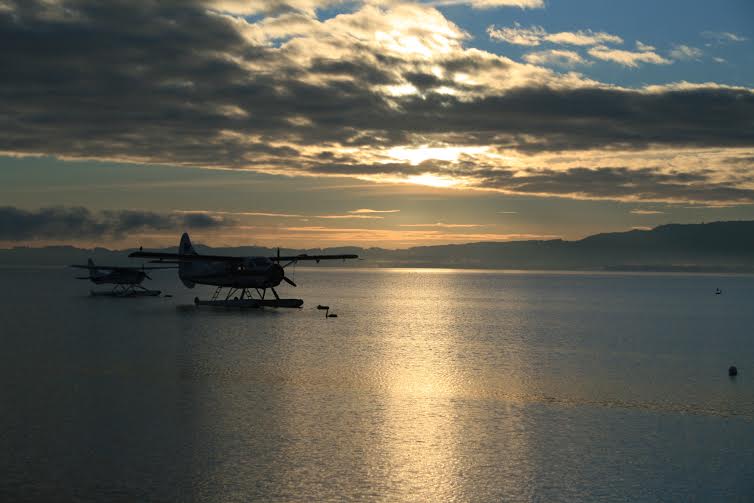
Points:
(726, 247)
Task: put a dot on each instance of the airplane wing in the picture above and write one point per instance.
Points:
(178, 258)
(175, 258)
(316, 258)
(117, 268)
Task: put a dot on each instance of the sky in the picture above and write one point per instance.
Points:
(322, 123)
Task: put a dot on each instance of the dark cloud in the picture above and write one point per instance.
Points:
(175, 82)
(152, 79)
(78, 222)
(359, 70)
(564, 119)
(203, 221)
(617, 183)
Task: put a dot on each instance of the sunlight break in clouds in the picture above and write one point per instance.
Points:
(419, 154)
(431, 180)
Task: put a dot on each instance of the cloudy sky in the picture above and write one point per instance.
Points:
(371, 123)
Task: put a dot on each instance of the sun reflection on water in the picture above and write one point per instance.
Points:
(419, 431)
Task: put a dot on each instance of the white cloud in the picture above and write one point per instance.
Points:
(536, 35)
(444, 225)
(685, 52)
(555, 57)
(638, 211)
(490, 4)
(247, 7)
(627, 58)
(583, 37)
(723, 37)
(517, 35)
(368, 210)
(640, 46)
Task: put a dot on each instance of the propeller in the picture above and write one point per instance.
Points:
(287, 280)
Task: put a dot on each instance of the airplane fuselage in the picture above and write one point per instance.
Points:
(119, 277)
(253, 272)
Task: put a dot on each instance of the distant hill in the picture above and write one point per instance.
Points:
(716, 246)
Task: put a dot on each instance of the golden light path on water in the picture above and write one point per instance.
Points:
(432, 385)
(428, 433)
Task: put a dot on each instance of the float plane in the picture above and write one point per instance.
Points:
(239, 275)
(126, 280)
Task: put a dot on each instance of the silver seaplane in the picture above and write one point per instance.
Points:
(126, 280)
(239, 276)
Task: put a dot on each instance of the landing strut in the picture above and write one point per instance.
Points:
(243, 298)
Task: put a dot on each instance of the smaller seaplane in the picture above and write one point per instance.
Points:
(126, 281)
(239, 275)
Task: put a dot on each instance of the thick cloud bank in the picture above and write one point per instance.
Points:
(80, 223)
(196, 83)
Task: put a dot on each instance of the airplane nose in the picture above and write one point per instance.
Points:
(276, 273)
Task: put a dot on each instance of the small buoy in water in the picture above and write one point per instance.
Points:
(718, 291)
(732, 371)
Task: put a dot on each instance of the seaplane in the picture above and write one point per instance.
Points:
(239, 276)
(126, 281)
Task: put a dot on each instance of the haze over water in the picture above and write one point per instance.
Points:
(431, 385)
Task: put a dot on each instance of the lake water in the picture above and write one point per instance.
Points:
(431, 385)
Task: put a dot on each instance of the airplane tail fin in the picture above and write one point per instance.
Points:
(185, 268)
(185, 247)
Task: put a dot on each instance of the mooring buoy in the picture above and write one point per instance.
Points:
(732, 371)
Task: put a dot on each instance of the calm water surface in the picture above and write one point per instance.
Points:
(429, 386)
